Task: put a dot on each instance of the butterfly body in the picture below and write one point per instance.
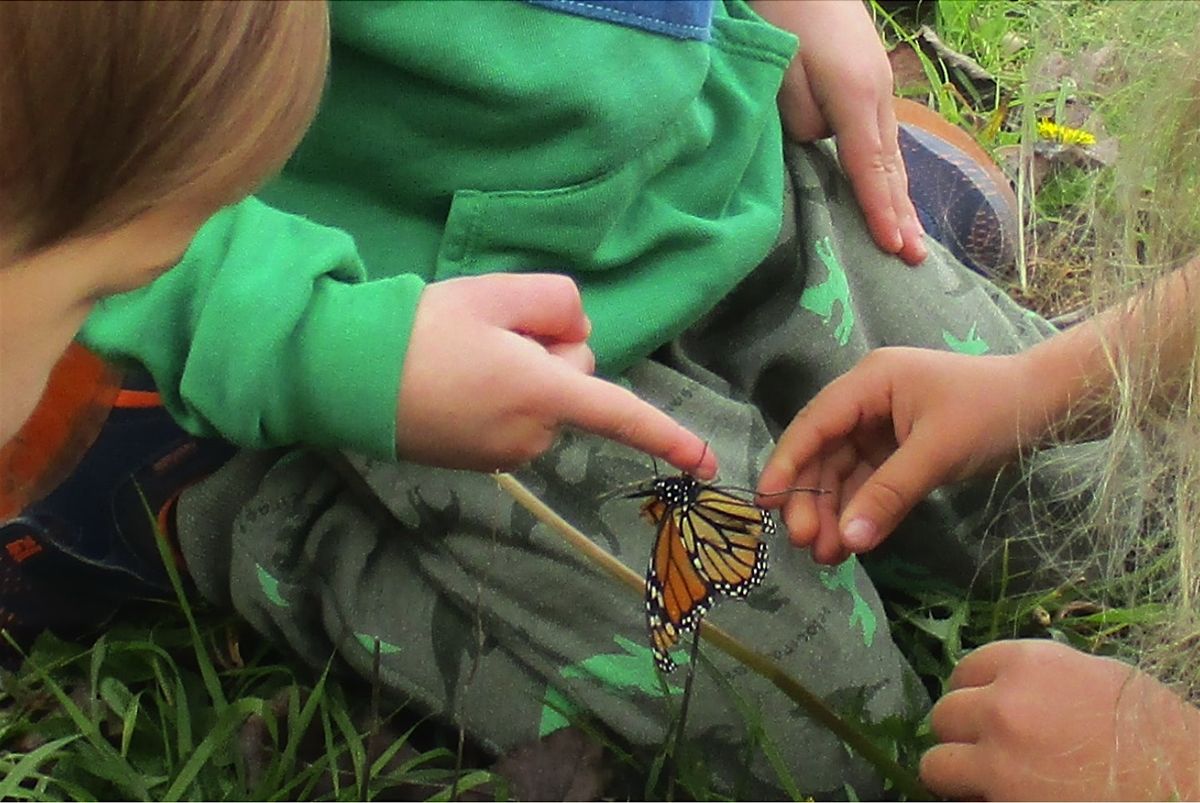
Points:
(708, 543)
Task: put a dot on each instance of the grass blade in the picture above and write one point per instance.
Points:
(297, 728)
(28, 764)
(233, 716)
(208, 672)
(464, 784)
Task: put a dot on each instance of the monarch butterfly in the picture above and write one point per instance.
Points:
(708, 542)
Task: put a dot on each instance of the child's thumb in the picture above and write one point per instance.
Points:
(878, 507)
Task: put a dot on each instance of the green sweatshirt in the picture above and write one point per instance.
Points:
(458, 139)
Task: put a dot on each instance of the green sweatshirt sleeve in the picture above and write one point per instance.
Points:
(268, 334)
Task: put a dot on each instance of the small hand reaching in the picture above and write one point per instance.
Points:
(840, 84)
(498, 364)
(1036, 720)
(879, 438)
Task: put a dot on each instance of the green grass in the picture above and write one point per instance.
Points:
(1102, 66)
(175, 703)
(162, 707)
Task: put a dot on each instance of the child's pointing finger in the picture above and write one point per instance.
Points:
(613, 412)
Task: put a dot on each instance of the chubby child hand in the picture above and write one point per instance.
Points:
(498, 364)
(1036, 720)
(879, 438)
(840, 84)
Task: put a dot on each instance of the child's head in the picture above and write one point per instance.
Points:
(125, 126)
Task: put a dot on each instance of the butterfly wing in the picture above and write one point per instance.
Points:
(723, 534)
(677, 596)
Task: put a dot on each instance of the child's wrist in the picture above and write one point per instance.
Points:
(1182, 776)
(1061, 382)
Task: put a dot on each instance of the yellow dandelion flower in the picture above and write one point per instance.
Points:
(1047, 129)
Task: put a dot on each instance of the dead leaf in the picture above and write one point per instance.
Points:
(1078, 608)
(908, 74)
(1047, 74)
(257, 750)
(1103, 153)
(566, 765)
(1092, 67)
(1009, 157)
(976, 83)
(254, 743)
(1012, 43)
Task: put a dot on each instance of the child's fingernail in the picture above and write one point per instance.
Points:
(858, 534)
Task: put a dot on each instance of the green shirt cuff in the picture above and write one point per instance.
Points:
(347, 356)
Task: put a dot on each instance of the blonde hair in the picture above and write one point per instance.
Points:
(1140, 536)
(112, 108)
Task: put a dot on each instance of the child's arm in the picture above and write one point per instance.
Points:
(1035, 720)
(840, 83)
(906, 421)
(267, 334)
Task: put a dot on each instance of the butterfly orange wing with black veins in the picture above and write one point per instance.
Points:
(724, 535)
(677, 597)
(708, 541)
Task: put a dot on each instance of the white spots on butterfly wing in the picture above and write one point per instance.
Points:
(679, 495)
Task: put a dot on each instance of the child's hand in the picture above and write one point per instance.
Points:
(841, 84)
(883, 435)
(1035, 720)
(498, 364)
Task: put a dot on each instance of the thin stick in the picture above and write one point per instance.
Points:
(687, 686)
(372, 734)
(673, 756)
(905, 781)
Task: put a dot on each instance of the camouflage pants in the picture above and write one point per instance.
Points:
(483, 614)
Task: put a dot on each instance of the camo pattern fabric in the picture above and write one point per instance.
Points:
(482, 615)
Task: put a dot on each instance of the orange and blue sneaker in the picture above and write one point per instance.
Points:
(962, 197)
(87, 488)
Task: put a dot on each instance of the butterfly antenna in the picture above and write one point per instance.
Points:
(703, 455)
(799, 489)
